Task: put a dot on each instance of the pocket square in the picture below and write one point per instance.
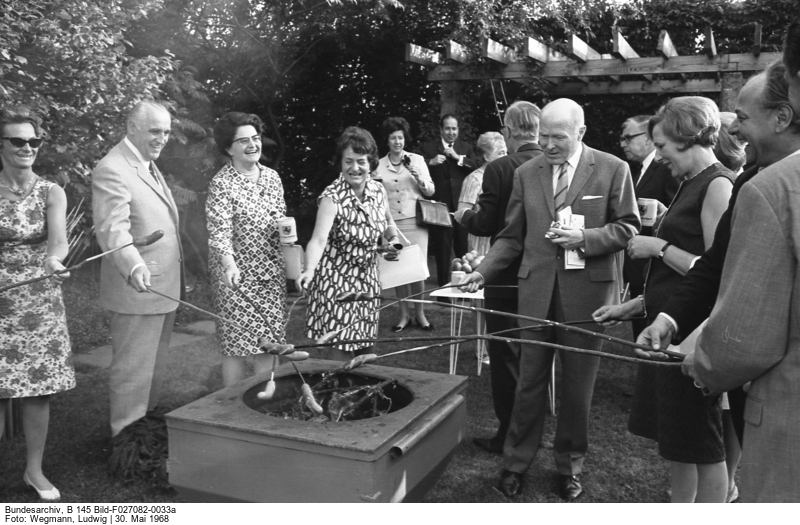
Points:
(590, 197)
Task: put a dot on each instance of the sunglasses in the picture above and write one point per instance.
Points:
(628, 138)
(20, 143)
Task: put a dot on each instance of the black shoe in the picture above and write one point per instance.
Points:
(489, 445)
(569, 487)
(427, 328)
(510, 483)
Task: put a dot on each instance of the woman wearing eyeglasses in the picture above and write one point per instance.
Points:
(245, 201)
(35, 355)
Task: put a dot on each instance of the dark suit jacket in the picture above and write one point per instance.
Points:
(657, 183)
(489, 220)
(601, 191)
(449, 176)
(694, 300)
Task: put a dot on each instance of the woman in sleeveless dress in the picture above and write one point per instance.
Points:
(35, 355)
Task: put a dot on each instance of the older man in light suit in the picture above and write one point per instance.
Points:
(598, 187)
(131, 199)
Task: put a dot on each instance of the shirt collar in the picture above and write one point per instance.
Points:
(576, 157)
(445, 143)
(135, 151)
(647, 160)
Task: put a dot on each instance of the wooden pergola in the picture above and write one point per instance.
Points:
(584, 71)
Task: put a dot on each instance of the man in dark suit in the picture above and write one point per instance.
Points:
(654, 181)
(450, 160)
(791, 61)
(565, 274)
(764, 121)
(521, 132)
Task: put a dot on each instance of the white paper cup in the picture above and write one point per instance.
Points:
(287, 230)
(648, 209)
(456, 277)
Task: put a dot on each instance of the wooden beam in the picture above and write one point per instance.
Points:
(757, 40)
(742, 62)
(497, 51)
(635, 87)
(709, 47)
(623, 50)
(580, 50)
(455, 51)
(665, 47)
(542, 53)
(424, 56)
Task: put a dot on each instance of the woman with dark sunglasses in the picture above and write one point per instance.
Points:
(35, 356)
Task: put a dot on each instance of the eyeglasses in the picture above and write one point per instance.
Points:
(244, 141)
(628, 138)
(20, 143)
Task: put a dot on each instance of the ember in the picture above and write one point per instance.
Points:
(343, 396)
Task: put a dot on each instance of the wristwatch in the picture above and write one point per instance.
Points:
(663, 250)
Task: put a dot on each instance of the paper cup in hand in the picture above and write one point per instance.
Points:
(456, 278)
(287, 230)
(648, 209)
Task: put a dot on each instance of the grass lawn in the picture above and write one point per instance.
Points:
(619, 467)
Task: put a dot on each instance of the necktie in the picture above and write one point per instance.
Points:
(560, 197)
(153, 173)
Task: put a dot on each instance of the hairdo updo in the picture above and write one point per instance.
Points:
(688, 120)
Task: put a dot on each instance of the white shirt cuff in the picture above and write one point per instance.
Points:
(671, 321)
(134, 267)
(691, 264)
(461, 160)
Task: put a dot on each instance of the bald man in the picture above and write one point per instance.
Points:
(596, 187)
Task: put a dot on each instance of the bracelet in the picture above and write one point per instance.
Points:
(663, 250)
(644, 310)
(226, 266)
(56, 257)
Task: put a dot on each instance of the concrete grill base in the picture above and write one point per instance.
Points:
(221, 449)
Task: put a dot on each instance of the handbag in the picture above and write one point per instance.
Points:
(433, 214)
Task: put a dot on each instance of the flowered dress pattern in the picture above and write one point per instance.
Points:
(471, 192)
(242, 222)
(35, 354)
(349, 264)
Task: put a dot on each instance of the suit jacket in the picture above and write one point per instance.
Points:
(657, 183)
(128, 203)
(489, 220)
(449, 176)
(611, 219)
(692, 303)
(753, 334)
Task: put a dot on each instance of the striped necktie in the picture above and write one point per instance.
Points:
(560, 197)
(153, 173)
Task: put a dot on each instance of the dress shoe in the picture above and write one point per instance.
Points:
(427, 328)
(44, 495)
(510, 483)
(399, 327)
(569, 487)
(489, 445)
(733, 494)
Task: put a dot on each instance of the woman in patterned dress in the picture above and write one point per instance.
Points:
(667, 407)
(35, 355)
(406, 178)
(341, 255)
(491, 145)
(245, 201)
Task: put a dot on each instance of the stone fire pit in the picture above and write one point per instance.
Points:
(221, 448)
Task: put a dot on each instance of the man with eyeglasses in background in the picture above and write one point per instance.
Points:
(652, 180)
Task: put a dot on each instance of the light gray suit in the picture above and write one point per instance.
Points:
(753, 333)
(127, 203)
(602, 191)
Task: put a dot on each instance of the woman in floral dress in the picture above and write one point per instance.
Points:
(35, 356)
(245, 201)
(341, 256)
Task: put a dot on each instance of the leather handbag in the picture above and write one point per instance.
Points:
(433, 214)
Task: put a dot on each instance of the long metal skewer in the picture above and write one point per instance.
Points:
(139, 241)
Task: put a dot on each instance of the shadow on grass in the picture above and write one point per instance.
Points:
(619, 467)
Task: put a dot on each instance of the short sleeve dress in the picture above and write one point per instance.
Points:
(35, 353)
(242, 221)
(470, 192)
(349, 263)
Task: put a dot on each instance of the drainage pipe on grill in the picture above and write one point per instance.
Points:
(428, 424)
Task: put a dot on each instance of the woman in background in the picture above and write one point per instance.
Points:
(245, 201)
(35, 354)
(406, 178)
(342, 254)
(491, 145)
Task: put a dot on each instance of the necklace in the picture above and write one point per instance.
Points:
(21, 191)
(398, 164)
